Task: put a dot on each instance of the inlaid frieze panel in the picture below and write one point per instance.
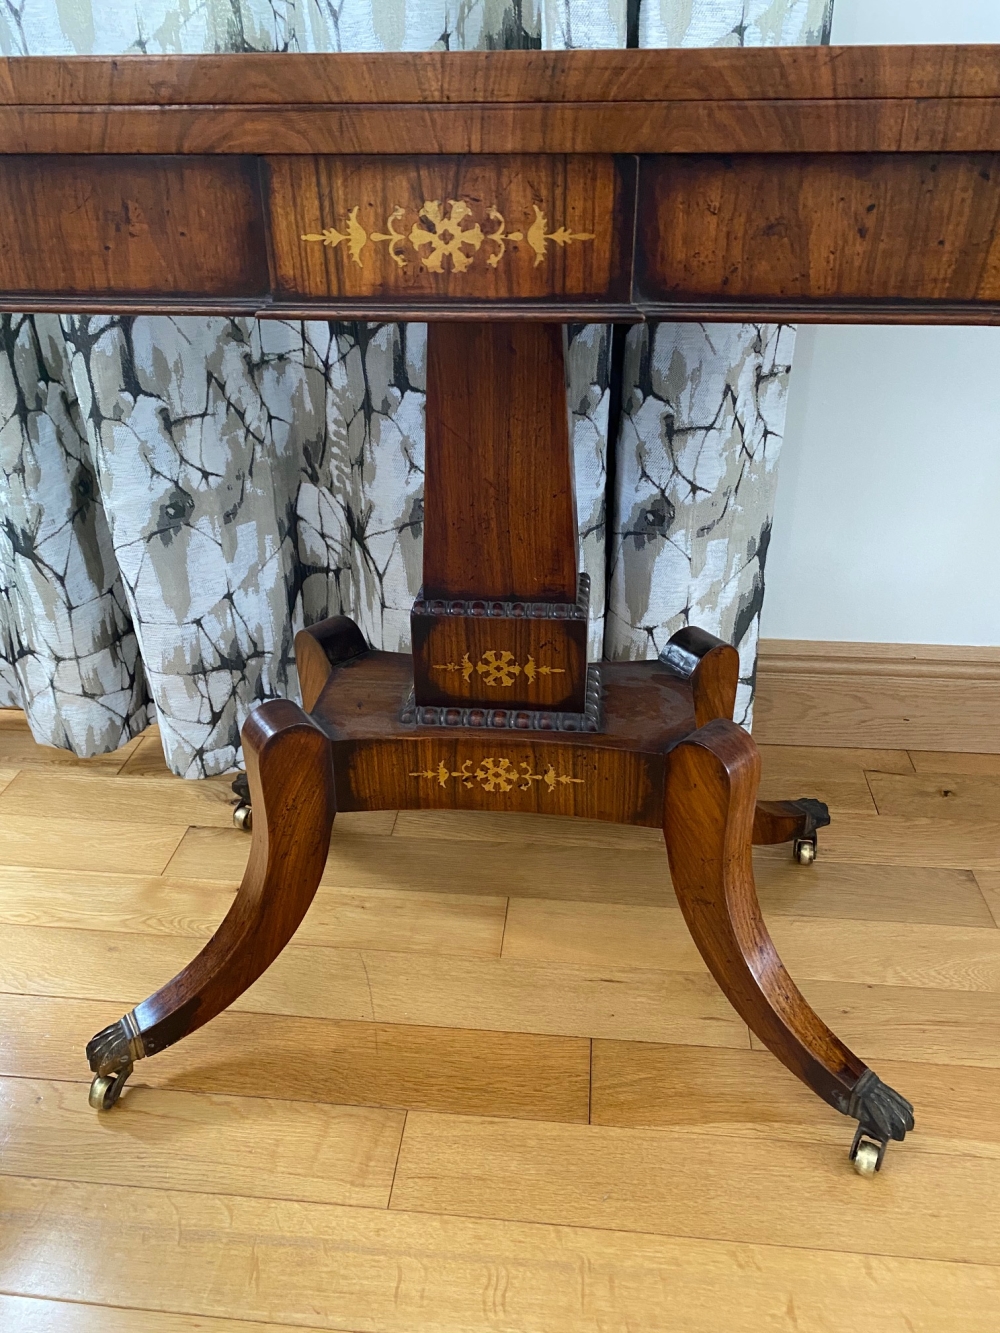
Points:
(467, 227)
(131, 226)
(501, 771)
(501, 661)
(831, 227)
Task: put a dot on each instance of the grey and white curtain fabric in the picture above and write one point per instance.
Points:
(180, 495)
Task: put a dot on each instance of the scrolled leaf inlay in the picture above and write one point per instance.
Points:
(497, 775)
(498, 668)
(446, 232)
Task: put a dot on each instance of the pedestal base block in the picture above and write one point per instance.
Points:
(501, 654)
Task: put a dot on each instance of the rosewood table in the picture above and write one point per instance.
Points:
(496, 195)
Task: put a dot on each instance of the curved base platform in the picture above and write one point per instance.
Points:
(381, 762)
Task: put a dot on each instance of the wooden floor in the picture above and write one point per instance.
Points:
(490, 1085)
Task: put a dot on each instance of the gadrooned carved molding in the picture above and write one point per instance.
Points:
(515, 719)
(485, 607)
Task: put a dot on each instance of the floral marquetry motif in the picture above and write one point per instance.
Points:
(498, 668)
(497, 775)
(446, 231)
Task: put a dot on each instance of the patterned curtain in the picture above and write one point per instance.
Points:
(180, 495)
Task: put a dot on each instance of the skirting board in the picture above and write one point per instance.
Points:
(885, 695)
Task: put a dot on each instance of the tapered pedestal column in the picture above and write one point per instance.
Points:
(501, 620)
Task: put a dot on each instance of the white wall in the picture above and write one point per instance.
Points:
(887, 521)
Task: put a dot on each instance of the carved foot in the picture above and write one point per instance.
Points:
(882, 1114)
(111, 1054)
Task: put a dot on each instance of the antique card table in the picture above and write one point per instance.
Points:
(496, 195)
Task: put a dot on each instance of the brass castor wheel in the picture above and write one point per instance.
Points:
(105, 1089)
(804, 851)
(867, 1151)
(866, 1159)
(242, 814)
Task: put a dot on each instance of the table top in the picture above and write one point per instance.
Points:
(767, 99)
(823, 183)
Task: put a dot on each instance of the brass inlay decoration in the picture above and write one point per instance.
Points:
(498, 668)
(496, 775)
(438, 234)
(446, 236)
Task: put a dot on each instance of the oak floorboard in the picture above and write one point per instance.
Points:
(556, 999)
(926, 1206)
(444, 865)
(422, 990)
(406, 929)
(836, 776)
(19, 749)
(67, 842)
(515, 827)
(879, 1023)
(938, 795)
(936, 896)
(147, 759)
(989, 886)
(340, 1268)
(884, 953)
(206, 1143)
(31, 1314)
(549, 868)
(319, 1060)
(748, 1093)
(952, 765)
(339, 918)
(97, 797)
(7, 776)
(912, 841)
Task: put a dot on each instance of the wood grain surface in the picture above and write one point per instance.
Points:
(323, 1061)
(381, 761)
(702, 74)
(500, 510)
(29, 1315)
(937, 697)
(289, 1261)
(917, 226)
(858, 125)
(747, 1094)
(938, 1206)
(461, 660)
(708, 818)
(331, 1154)
(118, 226)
